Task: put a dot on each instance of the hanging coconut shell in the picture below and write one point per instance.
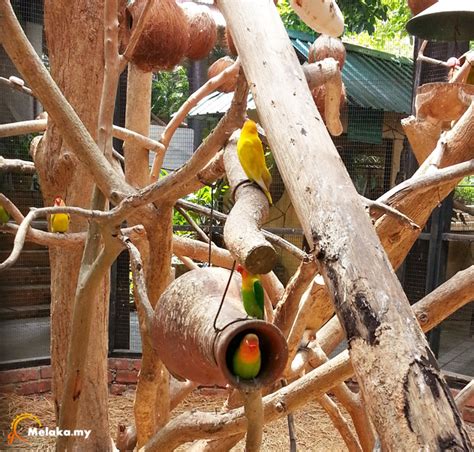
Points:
(319, 97)
(221, 65)
(165, 37)
(202, 30)
(324, 47)
(417, 6)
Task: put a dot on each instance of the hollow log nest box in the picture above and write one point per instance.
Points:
(194, 345)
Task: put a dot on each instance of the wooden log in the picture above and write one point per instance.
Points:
(402, 386)
(22, 128)
(242, 231)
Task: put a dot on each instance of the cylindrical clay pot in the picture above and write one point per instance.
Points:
(186, 341)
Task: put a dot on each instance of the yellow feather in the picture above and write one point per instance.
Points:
(59, 222)
(252, 158)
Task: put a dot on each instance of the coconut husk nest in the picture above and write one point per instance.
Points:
(221, 65)
(417, 6)
(165, 37)
(202, 30)
(326, 46)
(319, 97)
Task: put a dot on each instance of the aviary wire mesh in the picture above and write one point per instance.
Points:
(25, 288)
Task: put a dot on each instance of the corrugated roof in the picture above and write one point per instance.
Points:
(373, 79)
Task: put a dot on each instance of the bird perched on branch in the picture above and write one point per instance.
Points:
(247, 359)
(59, 222)
(4, 215)
(252, 293)
(252, 158)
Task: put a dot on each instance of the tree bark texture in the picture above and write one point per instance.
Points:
(76, 61)
(399, 377)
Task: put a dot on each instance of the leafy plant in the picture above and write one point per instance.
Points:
(359, 15)
(464, 192)
(378, 24)
(169, 92)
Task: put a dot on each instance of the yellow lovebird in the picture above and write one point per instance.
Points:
(59, 222)
(252, 158)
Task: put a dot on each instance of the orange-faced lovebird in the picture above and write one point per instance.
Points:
(59, 222)
(247, 359)
(252, 293)
(252, 158)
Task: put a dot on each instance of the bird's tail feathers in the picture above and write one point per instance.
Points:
(264, 188)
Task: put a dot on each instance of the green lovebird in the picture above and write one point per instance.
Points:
(252, 293)
(4, 215)
(247, 359)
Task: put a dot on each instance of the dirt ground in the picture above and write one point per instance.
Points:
(314, 430)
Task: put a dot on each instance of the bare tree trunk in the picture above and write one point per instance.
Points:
(399, 377)
(76, 61)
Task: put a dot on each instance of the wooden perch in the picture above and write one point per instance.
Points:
(242, 230)
(253, 409)
(22, 127)
(367, 295)
(17, 165)
(287, 307)
(40, 125)
(17, 84)
(273, 238)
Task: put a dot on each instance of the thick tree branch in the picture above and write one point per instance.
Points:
(17, 165)
(87, 289)
(22, 127)
(242, 230)
(287, 307)
(253, 411)
(139, 283)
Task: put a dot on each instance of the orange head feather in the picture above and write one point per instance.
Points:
(242, 271)
(250, 345)
(58, 201)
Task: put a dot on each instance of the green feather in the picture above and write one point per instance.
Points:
(259, 294)
(245, 370)
(252, 305)
(4, 215)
